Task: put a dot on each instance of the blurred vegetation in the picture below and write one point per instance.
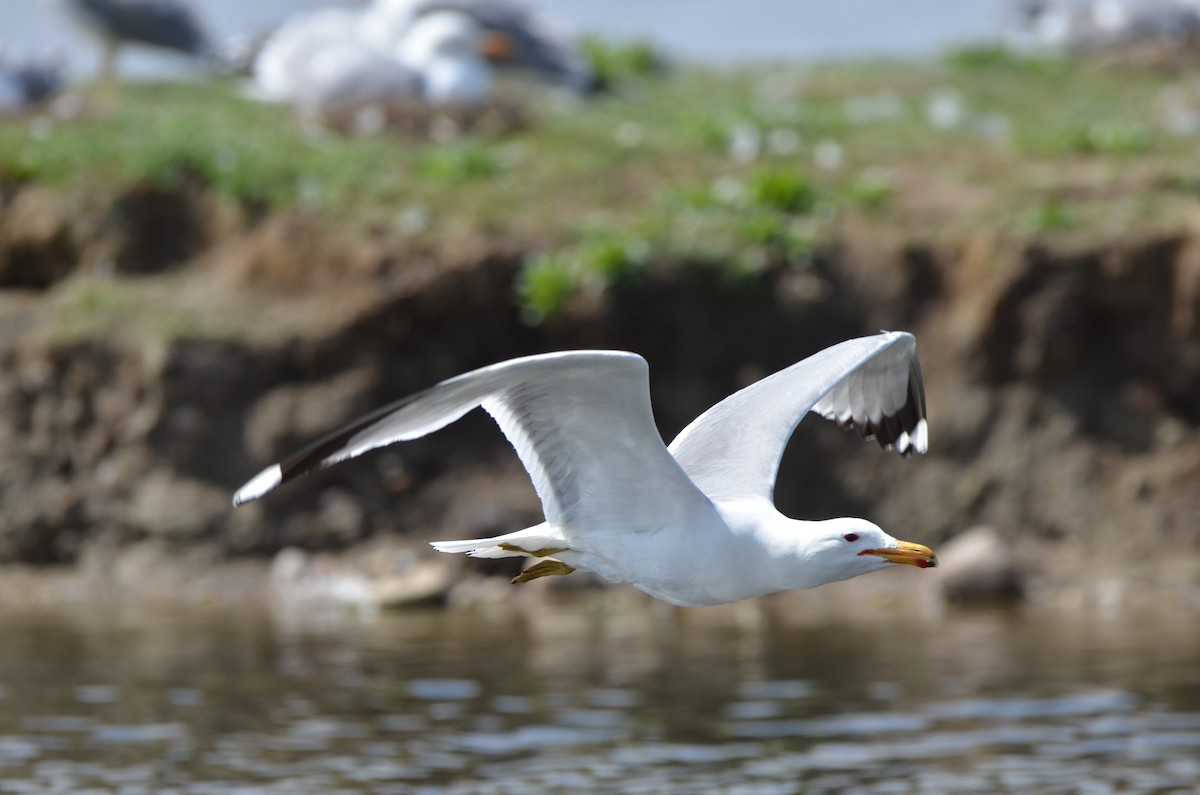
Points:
(614, 63)
(738, 170)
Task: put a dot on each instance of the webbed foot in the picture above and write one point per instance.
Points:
(544, 568)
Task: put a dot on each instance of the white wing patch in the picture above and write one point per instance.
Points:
(545, 458)
(732, 451)
(884, 398)
(580, 422)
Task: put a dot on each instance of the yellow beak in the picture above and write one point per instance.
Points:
(497, 46)
(907, 552)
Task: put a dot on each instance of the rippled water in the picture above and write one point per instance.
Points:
(593, 700)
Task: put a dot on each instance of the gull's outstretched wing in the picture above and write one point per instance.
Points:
(580, 421)
(872, 383)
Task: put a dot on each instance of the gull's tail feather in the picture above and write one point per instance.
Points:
(533, 542)
(476, 548)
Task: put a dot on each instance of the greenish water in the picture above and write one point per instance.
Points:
(592, 700)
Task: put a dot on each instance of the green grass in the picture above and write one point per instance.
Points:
(869, 192)
(994, 57)
(460, 164)
(1051, 216)
(688, 167)
(784, 190)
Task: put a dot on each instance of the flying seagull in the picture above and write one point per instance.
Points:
(163, 24)
(691, 524)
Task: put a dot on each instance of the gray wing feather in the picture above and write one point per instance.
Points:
(873, 383)
(580, 421)
(884, 399)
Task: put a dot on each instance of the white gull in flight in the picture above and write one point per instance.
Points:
(690, 524)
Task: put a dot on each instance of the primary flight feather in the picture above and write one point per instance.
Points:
(691, 524)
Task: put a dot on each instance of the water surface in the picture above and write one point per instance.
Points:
(589, 700)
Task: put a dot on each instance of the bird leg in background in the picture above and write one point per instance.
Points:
(108, 63)
(105, 91)
(546, 568)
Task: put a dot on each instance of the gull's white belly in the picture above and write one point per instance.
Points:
(705, 563)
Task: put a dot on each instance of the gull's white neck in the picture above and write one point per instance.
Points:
(777, 547)
(754, 551)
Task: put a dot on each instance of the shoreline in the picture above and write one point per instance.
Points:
(358, 582)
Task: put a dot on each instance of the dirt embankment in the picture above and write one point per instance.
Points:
(1062, 382)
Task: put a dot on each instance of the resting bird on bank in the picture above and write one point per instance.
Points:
(163, 24)
(1086, 26)
(322, 67)
(691, 524)
(384, 52)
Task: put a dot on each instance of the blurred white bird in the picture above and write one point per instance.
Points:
(1090, 25)
(449, 47)
(446, 49)
(323, 62)
(519, 40)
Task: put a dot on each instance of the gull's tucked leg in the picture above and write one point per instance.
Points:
(545, 568)
(536, 553)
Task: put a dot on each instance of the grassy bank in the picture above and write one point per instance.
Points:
(738, 170)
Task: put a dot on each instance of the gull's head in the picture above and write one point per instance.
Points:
(442, 34)
(446, 49)
(846, 548)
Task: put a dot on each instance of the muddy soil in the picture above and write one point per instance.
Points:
(1062, 382)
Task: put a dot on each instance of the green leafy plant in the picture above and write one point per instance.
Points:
(612, 258)
(998, 57)
(782, 190)
(464, 163)
(1109, 138)
(545, 286)
(1051, 216)
(614, 62)
(868, 192)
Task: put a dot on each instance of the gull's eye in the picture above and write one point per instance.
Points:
(851, 537)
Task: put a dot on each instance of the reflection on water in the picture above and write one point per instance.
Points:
(584, 700)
